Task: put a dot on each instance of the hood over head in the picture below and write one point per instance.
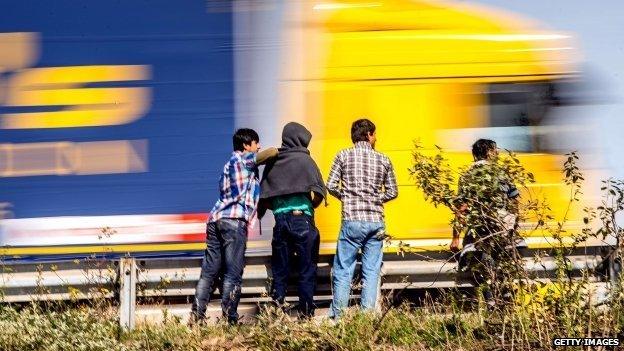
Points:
(295, 135)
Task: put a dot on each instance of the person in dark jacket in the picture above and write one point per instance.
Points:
(292, 187)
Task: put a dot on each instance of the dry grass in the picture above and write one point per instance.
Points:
(439, 325)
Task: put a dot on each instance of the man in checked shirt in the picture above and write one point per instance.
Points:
(226, 233)
(363, 179)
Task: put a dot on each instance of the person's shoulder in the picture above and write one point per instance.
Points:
(231, 159)
(247, 159)
(480, 167)
(466, 173)
(383, 157)
(344, 152)
(235, 157)
(347, 150)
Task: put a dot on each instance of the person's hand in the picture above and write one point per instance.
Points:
(316, 200)
(460, 213)
(454, 245)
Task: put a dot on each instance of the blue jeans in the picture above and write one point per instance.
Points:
(355, 236)
(226, 241)
(295, 245)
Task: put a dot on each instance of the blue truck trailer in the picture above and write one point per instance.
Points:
(115, 121)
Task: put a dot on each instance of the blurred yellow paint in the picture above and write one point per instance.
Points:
(85, 106)
(417, 69)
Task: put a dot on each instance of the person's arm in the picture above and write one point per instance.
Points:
(455, 241)
(391, 190)
(265, 155)
(318, 197)
(459, 208)
(513, 194)
(459, 217)
(317, 200)
(334, 179)
(262, 207)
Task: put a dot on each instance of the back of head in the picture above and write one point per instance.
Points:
(482, 148)
(244, 136)
(295, 135)
(360, 130)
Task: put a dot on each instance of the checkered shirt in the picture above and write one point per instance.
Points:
(363, 179)
(239, 189)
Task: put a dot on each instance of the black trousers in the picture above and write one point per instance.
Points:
(295, 244)
(479, 267)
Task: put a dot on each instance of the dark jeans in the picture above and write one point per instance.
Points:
(295, 243)
(477, 267)
(480, 267)
(226, 240)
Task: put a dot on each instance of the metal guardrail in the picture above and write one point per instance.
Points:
(130, 280)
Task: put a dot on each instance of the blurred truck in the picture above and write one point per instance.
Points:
(116, 117)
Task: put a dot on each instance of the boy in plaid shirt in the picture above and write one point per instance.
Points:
(226, 233)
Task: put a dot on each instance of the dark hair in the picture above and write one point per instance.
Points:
(244, 136)
(482, 147)
(360, 130)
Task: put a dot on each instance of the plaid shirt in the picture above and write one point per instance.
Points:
(363, 179)
(239, 189)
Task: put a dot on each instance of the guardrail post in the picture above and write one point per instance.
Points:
(613, 269)
(379, 302)
(127, 292)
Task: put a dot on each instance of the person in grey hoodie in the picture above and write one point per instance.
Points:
(292, 187)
